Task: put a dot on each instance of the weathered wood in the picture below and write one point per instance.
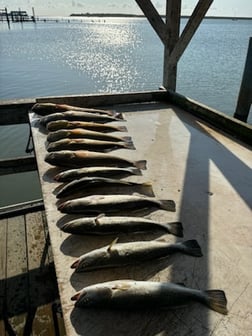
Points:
(96, 100)
(17, 285)
(15, 111)
(21, 208)
(153, 17)
(216, 118)
(17, 165)
(189, 30)
(3, 258)
(173, 12)
(245, 95)
(183, 154)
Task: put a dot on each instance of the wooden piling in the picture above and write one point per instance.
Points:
(245, 96)
(7, 17)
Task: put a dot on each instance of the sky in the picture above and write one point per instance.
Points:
(66, 7)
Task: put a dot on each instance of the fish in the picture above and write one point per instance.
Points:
(97, 204)
(77, 159)
(88, 144)
(75, 174)
(92, 185)
(79, 133)
(65, 124)
(140, 295)
(48, 108)
(105, 225)
(80, 116)
(123, 254)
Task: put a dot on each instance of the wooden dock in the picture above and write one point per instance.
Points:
(29, 299)
(208, 174)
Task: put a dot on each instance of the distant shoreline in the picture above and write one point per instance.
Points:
(143, 16)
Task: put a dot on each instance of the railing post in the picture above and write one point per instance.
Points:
(245, 96)
(173, 12)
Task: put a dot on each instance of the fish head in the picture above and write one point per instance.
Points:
(93, 296)
(92, 261)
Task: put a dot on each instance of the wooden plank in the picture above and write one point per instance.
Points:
(189, 30)
(223, 122)
(15, 111)
(17, 280)
(153, 17)
(3, 247)
(208, 176)
(21, 208)
(17, 165)
(95, 100)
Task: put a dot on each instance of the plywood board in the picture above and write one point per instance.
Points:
(209, 177)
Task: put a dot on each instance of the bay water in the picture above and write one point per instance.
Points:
(105, 55)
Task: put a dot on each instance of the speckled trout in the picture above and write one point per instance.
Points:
(88, 144)
(101, 185)
(48, 108)
(92, 126)
(78, 133)
(107, 225)
(79, 158)
(108, 204)
(135, 295)
(117, 255)
(80, 116)
(75, 174)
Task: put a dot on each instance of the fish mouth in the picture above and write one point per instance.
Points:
(75, 264)
(76, 296)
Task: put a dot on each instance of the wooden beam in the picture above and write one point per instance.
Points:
(17, 165)
(21, 208)
(173, 12)
(153, 17)
(189, 30)
(245, 96)
(15, 111)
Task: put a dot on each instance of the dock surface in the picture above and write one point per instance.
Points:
(208, 175)
(29, 299)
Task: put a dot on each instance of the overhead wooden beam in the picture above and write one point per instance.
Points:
(189, 30)
(173, 13)
(153, 17)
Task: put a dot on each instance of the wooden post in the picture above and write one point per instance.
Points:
(173, 12)
(33, 15)
(7, 17)
(245, 96)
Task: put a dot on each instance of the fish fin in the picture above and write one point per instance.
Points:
(216, 300)
(75, 264)
(141, 164)
(129, 145)
(112, 244)
(168, 205)
(192, 248)
(174, 228)
(122, 129)
(98, 217)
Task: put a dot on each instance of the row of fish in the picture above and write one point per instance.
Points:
(78, 140)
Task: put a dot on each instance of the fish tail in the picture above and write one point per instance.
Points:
(122, 129)
(141, 164)
(129, 145)
(168, 205)
(146, 188)
(216, 300)
(174, 228)
(192, 248)
(136, 171)
(127, 139)
(119, 116)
